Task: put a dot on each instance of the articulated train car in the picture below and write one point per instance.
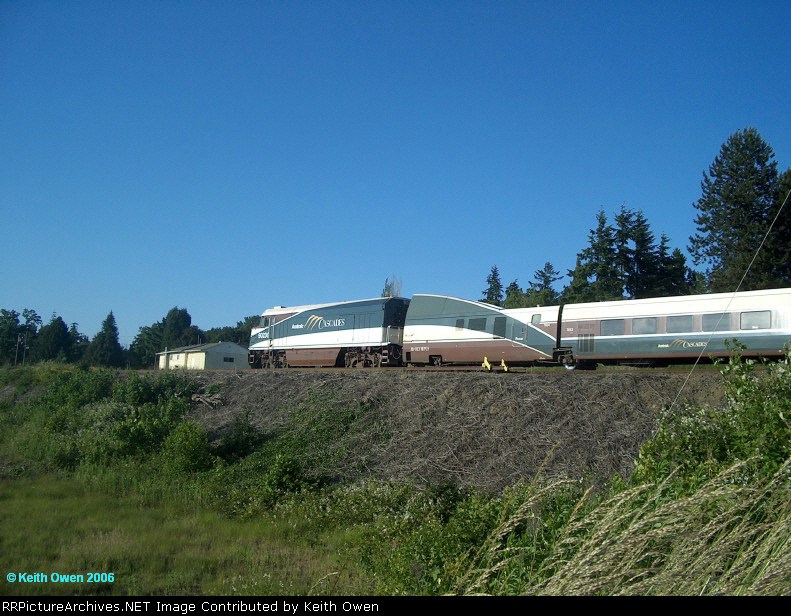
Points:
(358, 333)
(447, 330)
(652, 331)
(437, 330)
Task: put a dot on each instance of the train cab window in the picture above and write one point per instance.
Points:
(679, 324)
(459, 323)
(612, 327)
(535, 319)
(499, 327)
(646, 325)
(718, 322)
(756, 320)
(264, 322)
(479, 325)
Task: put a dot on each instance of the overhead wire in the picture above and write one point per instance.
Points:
(730, 301)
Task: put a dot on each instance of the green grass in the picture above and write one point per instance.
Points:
(105, 475)
(58, 524)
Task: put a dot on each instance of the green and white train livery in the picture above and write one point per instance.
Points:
(352, 334)
(448, 330)
(437, 329)
(654, 331)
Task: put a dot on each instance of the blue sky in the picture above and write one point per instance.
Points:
(226, 157)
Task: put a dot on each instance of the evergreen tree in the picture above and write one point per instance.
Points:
(145, 346)
(674, 277)
(597, 276)
(624, 249)
(514, 296)
(79, 343)
(735, 210)
(541, 292)
(10, 332)
(579, 289)
(104, 349)
(625, 262)
(778, 244)
(645, 273)
(53, 342)
(493, 294)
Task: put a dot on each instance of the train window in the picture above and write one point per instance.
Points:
(612, 327)
(756, 320)
(479, 325)
(646, 325)
(459, 323)
(718, 322)
(535, 319)
(499, 327)
(264, 322)
(678, 324)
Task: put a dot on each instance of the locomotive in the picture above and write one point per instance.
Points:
(442, 330)
(364, 333)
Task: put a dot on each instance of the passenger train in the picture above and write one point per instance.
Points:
(441, 330)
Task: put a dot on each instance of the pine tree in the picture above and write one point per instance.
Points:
(735, 210)
(778, 244)
(104, 349)
(541, 292)
(674, 277)
(514, 296)
(645, 274)
(493, 294)
(579, 289)
(597, 276)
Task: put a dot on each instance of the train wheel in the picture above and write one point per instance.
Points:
(569, 363)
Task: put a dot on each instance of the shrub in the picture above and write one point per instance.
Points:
(146, 427)
(187, 449)
(696, 443)
(254, 485)
(241, 438)
(139, 389)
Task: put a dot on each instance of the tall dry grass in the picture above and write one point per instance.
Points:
(728, 537)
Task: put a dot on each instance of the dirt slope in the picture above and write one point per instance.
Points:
(486, 430)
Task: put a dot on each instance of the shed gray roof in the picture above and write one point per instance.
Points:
(199, 347)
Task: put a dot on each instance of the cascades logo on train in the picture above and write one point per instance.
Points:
(317, 322)
(684, 344)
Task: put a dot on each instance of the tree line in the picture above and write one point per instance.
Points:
(743, 241)
(27, 340)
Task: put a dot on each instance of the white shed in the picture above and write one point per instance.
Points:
(210, 356)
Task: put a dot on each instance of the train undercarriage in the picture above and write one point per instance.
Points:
(346, 357)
